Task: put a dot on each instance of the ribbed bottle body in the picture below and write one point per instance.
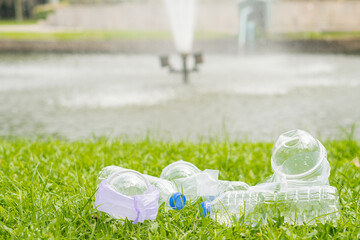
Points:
(297, 206)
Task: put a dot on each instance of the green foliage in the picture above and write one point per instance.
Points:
(317, 35)
(14, 22)
(47, 189)
(99, 35)
(42, 14)
(42, 11)
(90, 2)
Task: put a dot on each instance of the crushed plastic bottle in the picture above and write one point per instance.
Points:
(128, 182)
(227, 186)
(127, 194)
(298, 190)
(182, 181)
(190, 180)
(168, 192)
(196, 183)
(296, 205)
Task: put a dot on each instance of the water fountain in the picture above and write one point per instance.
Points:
(254, 18)
(182, 18)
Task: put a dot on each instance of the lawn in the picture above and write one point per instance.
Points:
(100, 35)
(14, 22)
(48, 187)
(317, 35)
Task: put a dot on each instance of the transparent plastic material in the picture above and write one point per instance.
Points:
(298, 190)
(107, 171)
(226, 186)
(182, 181)
(179, 169)
(127, 194)
(299, 158)
(128, 182)
(168, 192)
(304, 205)
(195, 183)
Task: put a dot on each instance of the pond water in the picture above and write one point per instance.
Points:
(242, 97)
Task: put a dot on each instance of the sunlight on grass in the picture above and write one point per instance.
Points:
(100, 35)
(48, 187)
(14, 22)
(318, 35)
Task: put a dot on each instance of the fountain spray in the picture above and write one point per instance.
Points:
(182, 17)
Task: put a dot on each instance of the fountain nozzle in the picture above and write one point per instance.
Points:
(164, 60)
(198, 59)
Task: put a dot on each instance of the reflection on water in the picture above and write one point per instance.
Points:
(257, 97)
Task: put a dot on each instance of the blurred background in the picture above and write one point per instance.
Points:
(173, 69)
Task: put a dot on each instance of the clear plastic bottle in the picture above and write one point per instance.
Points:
(299, 159)
(193, 182)
(127, 194)
(168, 192)
(299, 189)
(227, 186)
(297, 205)
(178, 170)
(107, 171)
(128, 183)
(196, 183)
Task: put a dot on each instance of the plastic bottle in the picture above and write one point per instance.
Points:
(195, 183)
(127, 194)
(299, 189)
(227, 186)
(168, 192)
(129, 183)
(190, 180)
(299, 159)
(182, 181)
(297, 205)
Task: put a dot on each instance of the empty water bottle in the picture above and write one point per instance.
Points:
(227, 186)
(169, 195)
(196, 183)
(297, 205)
(299, 159)
(299, 189)
(193, 182)
(128, 182)
(182, 181)
(127, 194)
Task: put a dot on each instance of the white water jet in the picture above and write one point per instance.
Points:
(182, 20)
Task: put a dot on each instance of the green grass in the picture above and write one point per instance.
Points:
(48, 187)
(14, 22)
(318, 35)
(100, 35)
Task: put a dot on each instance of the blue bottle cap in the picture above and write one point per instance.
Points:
(206, 208)
(211, 198)
(177, 201)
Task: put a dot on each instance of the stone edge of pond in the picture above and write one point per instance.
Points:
(218, 46)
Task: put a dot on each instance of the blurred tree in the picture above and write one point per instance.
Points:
(18, 10)
(103, 1)
(6, 9)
